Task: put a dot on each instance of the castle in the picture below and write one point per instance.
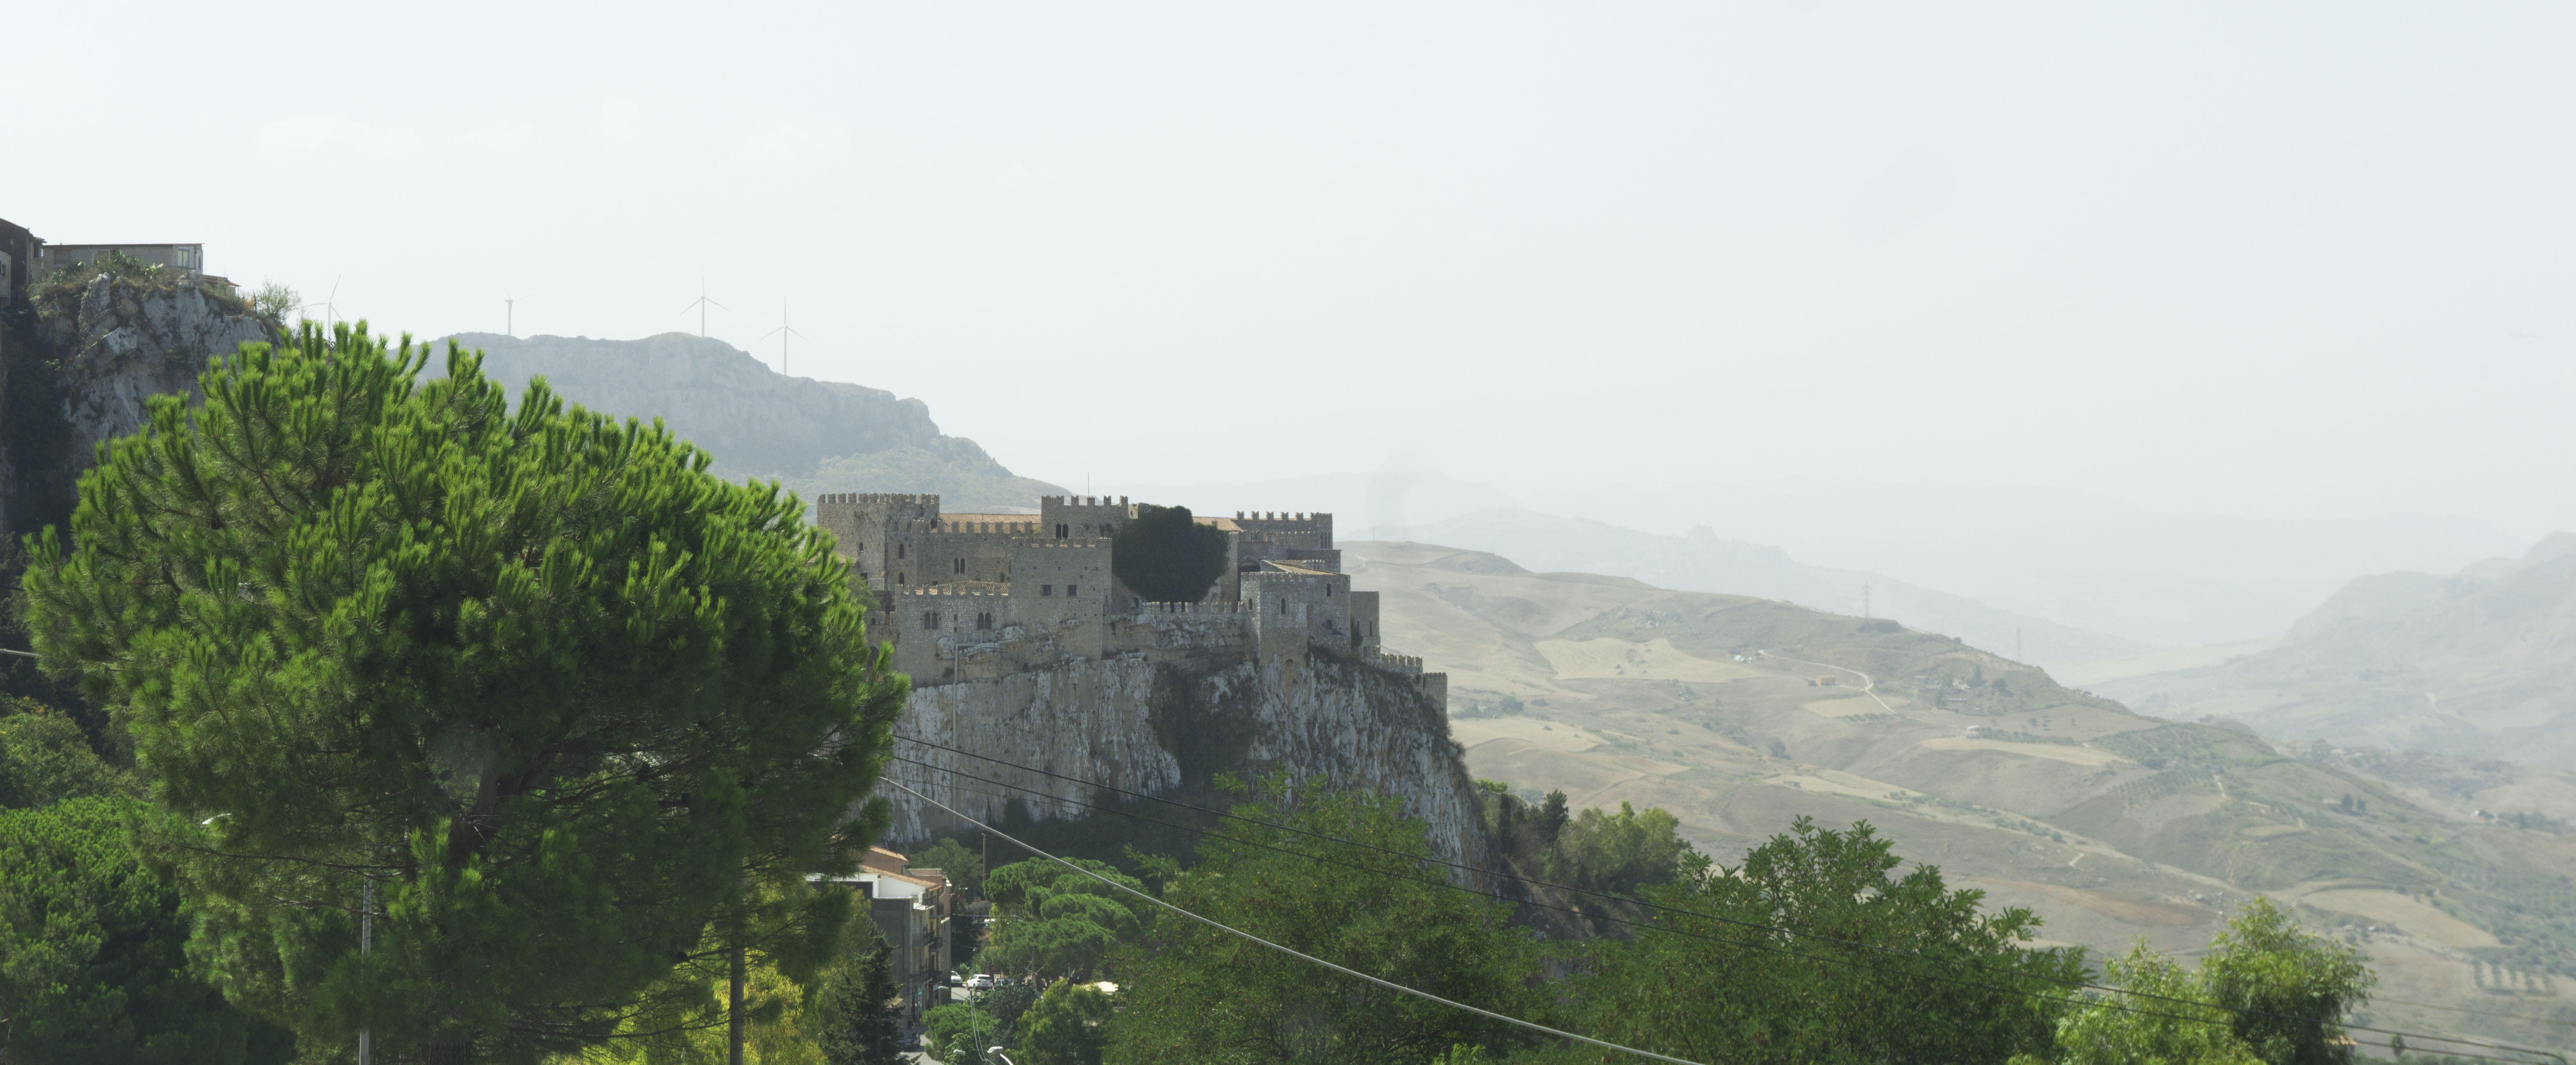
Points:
(969, 597)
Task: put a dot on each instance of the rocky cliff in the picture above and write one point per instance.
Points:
(80, 365)
(1156, 728)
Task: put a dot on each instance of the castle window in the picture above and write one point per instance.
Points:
(983, 621)
(898, 550)
(930, 619)
(1063, 531)
(1073, 589)
(961, 564)
(1048, 589)
(898, 578)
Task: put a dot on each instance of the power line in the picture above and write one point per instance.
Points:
(2103, 1003)
(1311, 959)
(2481, 1013)
(2087, 985)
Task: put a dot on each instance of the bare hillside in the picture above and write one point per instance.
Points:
(1740, 714)
(2473, 663)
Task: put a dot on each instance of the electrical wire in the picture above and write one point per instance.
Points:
(1730, 942)
(1309, 958)
(2105, 988)
(2089, 1002)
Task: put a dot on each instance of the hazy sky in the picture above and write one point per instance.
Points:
(2268, 259)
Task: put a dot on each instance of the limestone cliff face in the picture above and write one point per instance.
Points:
(1155, 727)
(128, 344)
(81, 369)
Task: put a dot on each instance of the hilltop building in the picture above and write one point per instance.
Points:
(26, 258)
(968, 597)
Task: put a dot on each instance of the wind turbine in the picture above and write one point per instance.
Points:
(329, 309)
(783, 331)
(701, 304)
(509, 316)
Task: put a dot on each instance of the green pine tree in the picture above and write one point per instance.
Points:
(862, 1010)
(1068, 1025)
(561, 695)
(92, 968)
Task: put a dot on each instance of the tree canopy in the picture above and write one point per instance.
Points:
(2273, 995)
(91, 951)
(1195, 994)
(1166, 556)
(1068, 1025)
(1866, 983)
(562, 695)
(44, 759)
(1052, 922)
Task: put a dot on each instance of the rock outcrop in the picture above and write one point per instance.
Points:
(1154, 728)
(81, 369)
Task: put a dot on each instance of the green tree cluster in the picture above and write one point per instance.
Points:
(861, 1016)
(568, 701)
(1876, 976)
(45, 759)
(959, 863)
(1191, 993)
(1068, 1025)
(1166, 556)
(92, 961)
(2266, 993)
(1051, 922)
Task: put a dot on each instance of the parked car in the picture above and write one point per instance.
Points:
(980, 982)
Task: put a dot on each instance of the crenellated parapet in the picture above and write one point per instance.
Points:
(987, 595)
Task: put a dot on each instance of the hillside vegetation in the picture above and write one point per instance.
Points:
(2111, 825)
(813, 436)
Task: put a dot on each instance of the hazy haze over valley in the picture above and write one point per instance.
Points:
(2118, 450)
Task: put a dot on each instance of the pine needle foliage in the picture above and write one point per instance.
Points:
(562, 695)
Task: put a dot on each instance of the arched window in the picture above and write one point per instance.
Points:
(898, 578)
(961, 564)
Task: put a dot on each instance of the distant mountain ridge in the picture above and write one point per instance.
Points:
(2470, 663)
(813, 436)
(1700, 561)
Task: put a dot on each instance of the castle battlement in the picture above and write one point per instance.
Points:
(977, 597)
(1189, 608)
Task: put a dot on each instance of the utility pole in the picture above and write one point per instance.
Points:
(366, 946)
(733, 1012)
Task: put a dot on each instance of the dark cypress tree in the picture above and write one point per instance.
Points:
(860, 1011)
(1167, 556)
